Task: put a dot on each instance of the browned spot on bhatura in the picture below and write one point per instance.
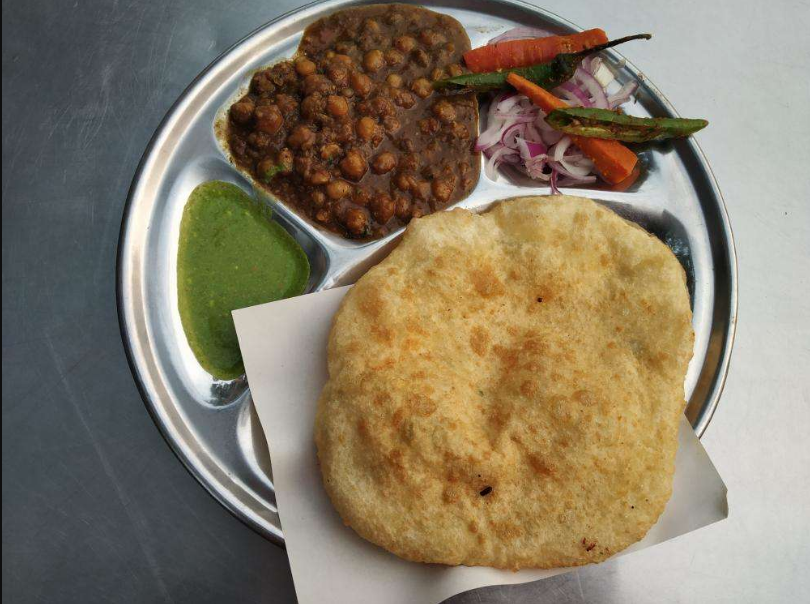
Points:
(422, 405)
(479, 340)
(486, 282)
(451, 494)
(539, 466)
(383, 334)
(362, 429)
(528, 388)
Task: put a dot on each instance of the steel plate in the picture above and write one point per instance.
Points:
(212, 425)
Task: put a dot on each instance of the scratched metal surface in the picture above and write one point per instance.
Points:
(95, 506)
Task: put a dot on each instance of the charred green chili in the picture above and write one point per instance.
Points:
(604, 123)
(546, 75)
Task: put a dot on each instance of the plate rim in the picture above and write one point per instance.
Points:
(248, 516)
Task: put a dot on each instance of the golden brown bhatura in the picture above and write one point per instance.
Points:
(505, 389)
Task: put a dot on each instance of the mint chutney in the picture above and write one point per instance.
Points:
(231, 255)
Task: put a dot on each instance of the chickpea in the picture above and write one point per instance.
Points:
(368, 42)
(301, 138)
(394, 80)
(404, 99)
(421, 57)
(437, 74)
(317, 83)
(394, 19)
(410, 162)
(345, 47)
(312, 105)
(366, 128)
(356, 221)
(318, 198)
(338, 189)
(339, 74)
(337, 106)
(303, 164)
(360, 83)
(286, 103)
(382, 106)
(431, 38)
(344, 132)
(373, 60)
(330, 151)
(403, 181)
(454, 70)
(323, 215)
(405, 43)
(304, 67)
(242, 112)
(382, 207)
(444, 110)
(428, 126)
(402, 207)
(343, 59)
(420, 189)
(394, 57)
(354, 165)
(384, 163)
(319, 177)
(370, 26)
(391, 124)
(268, 119)
(347, 92)
(442, 189)
(422, 88)
(460, 131)
(361, 197)
(261, 83)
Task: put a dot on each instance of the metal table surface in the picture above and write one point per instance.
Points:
(96, 508)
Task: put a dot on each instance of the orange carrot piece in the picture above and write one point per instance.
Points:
(523, 53)
(613, 160)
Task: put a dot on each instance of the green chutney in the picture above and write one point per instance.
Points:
(231, 255)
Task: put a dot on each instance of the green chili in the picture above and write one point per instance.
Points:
(604, 123)
(546, 75)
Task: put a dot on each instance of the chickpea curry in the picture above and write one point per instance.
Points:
(350, 133)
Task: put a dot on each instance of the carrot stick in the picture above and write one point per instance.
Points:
(523, 53)
(614, 161)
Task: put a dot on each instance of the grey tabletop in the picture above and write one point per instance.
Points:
(96, 508)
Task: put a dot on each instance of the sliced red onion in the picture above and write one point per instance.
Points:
(491, 165)
(556, 153)
(576, 93)
(506, 103)
(521, 33)
(536, 168)
(510, 135)
(553, 182)
(487, 138)
(624, 94)
(597, 93)
(574, 170)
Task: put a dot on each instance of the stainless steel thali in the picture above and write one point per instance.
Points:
(211, 425)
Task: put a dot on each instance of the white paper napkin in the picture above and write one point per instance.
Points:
(284, 348)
